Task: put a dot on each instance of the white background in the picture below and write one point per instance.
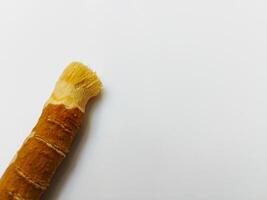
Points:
(183, 114)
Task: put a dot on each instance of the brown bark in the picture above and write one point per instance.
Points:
(31, 172)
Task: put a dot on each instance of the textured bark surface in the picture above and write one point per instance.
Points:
(31, 172)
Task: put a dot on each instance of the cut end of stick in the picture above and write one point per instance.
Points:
(76, 86)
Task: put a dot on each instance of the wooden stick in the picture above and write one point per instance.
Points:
(31, 171)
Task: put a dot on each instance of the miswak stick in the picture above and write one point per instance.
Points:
(31, 171)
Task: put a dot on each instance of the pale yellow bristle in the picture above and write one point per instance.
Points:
(76, 86)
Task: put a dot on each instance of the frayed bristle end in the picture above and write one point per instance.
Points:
(79, 75)
(76, 86)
